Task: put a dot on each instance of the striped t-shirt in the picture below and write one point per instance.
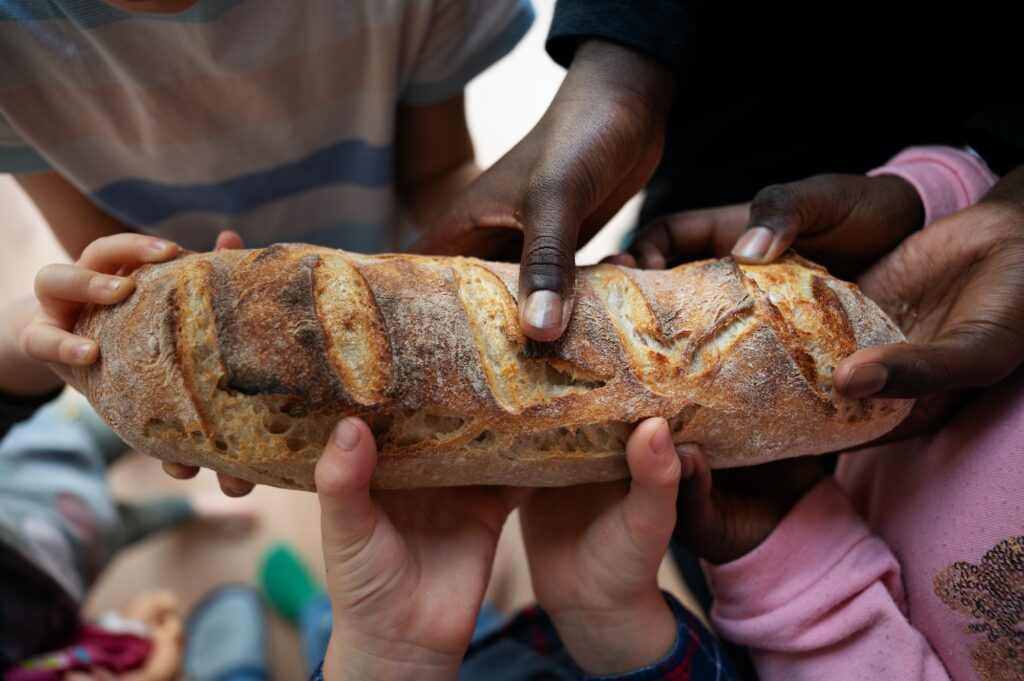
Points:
(272, 118)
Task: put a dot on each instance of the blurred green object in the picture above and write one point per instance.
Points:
(286, 582)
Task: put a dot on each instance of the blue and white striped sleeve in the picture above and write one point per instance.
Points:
(464, 39)
(16, 156)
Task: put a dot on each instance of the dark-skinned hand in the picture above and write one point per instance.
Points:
(594, 148)
(844, 222)
(726, 514)
(956, 288)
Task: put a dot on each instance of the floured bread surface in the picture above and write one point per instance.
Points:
(243, 361)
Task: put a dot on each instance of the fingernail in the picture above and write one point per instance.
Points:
(754, 244)
(686, 462)
(544, 310)
(662, 439)
(111, 284)
(686, 450)
(158, 245)
(235, 489)
(866, 380)
(346, 435)
(81, 350)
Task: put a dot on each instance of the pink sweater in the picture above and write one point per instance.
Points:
(908, 565)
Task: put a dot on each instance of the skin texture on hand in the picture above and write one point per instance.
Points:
(956, 288)
(406, 569)
(726, 514)
(844, 222)
(98, 277)
(594, 552)
(957, 291)
(594, 148)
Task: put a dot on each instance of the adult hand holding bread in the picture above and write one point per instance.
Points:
(954, 287)
(843, 222)
(596, 145)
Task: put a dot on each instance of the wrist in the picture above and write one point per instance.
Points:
(619, 640)
(352, 656)
(625, 75)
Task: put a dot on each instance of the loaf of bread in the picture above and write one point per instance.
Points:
(243, 361)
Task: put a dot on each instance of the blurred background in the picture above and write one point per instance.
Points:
(503, 105)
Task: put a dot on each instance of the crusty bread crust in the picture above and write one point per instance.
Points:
(243, 361)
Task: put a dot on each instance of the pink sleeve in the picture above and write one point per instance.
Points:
(822, 598)
(946, 179)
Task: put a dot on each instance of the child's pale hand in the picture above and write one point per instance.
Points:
(98, 277)
(594, 553)
(406, 569)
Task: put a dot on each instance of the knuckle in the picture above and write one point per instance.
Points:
(552, 189)
(667, 477)
(65, 350)
(918, 377)
(547, 250)
(545, 185)
(330, 481)
(775, 197)
(775, 206)
(928, 376)
(27, 341)
(1000, 222)
(1011, 214)
(46, 277)
(98, 246)
(141, 242)
(644, 530)
(546, 261)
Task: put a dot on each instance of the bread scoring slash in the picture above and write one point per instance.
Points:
(243, 362)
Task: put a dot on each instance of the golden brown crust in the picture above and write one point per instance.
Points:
(242, 361)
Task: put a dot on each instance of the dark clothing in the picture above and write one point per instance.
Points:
(59, 525)
(15, 409)
(528, 648)
(659, 28)
(775, 92)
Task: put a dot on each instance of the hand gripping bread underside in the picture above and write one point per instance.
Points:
(243, 361)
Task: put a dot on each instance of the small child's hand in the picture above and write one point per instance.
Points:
(594, 553)
(406, 569)
(98, 277)
(723, 521)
